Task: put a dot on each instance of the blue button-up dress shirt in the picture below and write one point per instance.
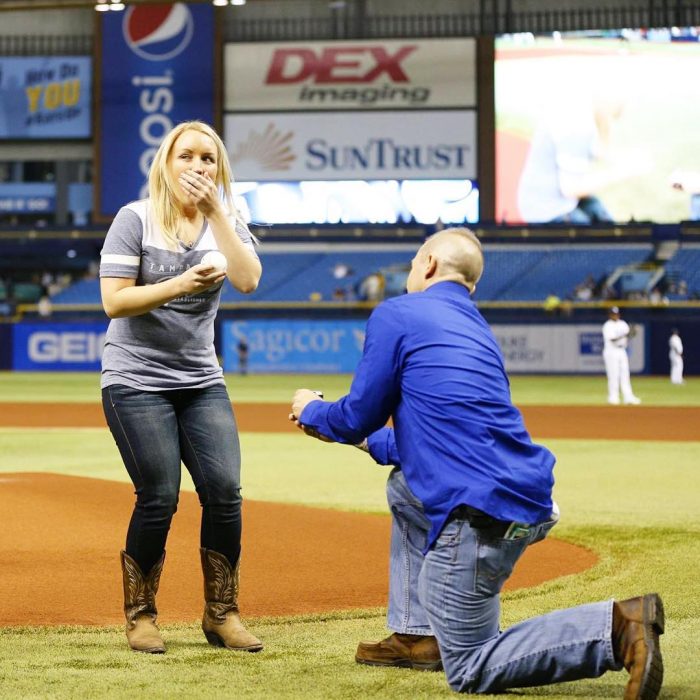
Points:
(432, 363)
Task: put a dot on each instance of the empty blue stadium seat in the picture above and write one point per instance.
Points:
(512, 272)
(685, 265)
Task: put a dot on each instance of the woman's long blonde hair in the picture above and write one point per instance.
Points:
(164, 201)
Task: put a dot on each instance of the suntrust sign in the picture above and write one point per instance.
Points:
(350, 146)
(378, 74)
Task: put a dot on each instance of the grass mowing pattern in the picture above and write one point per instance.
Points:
(273, 388)
(312, 657)
(635, 503)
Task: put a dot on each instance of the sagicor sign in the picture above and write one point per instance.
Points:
(322, 347)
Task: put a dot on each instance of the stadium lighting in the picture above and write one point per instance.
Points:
(102, 6)
(219, 3)
(238, 2)
(117, 6)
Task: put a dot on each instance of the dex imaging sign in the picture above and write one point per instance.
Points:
(375, 74)
(54, 346)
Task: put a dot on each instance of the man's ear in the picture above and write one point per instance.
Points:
(431, 265)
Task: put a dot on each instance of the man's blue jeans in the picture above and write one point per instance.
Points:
(453, 593)
(154, 432)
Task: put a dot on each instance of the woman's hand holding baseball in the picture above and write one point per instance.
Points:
(200, 277)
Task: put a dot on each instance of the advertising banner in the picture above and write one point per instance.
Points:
(547, 349)
(45, 97)
(27, 197)
(51, 347)
(423, 145)
(345, 75)
(157, 69)
(320, 347)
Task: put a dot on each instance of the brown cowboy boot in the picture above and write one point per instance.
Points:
(221, 623)
(637, 624)
(140, 605)
(419, 652)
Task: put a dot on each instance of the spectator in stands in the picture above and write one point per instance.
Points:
(616, 336)
(585, 290)
(371, 288)
(551, 303)
(163, 391)
(656, 297)
(468, 493)
(44, 307)
(341, 271)
(607, 292)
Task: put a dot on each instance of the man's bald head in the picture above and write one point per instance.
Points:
(450, 255)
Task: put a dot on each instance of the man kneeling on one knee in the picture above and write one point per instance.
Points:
(468, 493)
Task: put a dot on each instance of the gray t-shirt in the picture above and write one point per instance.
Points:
(171, 347)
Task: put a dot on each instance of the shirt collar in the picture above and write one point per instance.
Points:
(448, 290)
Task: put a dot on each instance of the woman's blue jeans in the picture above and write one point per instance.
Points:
(453, 593)
(155, 432)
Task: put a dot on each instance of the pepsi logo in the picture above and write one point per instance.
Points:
(158, 32)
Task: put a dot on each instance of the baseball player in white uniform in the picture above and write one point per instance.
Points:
(675, 354)
(616, 334)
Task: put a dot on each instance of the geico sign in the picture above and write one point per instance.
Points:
(349, 64)
(67, 346)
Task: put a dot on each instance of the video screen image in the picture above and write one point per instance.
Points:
(598, 128)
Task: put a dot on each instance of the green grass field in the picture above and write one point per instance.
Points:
(273, 388)
(636, 504)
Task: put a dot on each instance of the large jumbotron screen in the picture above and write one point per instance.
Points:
(360, 202)
(599, 128)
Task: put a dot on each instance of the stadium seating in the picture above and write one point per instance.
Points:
(513, 272)
(685, 265)
(299, 277)
(533, 273)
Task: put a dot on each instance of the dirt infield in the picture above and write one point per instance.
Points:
(585, 422)
(61, 537)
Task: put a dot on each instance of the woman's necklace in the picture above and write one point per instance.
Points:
(188, 234)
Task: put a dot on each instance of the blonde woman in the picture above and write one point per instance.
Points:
(163, 390)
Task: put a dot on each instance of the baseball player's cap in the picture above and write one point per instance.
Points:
(614, 310)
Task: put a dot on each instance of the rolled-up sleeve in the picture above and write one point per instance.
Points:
(382, 447)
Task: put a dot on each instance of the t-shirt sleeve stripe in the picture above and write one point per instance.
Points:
(121, 253)
(112, 259)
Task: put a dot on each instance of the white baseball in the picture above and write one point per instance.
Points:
(216, 260)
